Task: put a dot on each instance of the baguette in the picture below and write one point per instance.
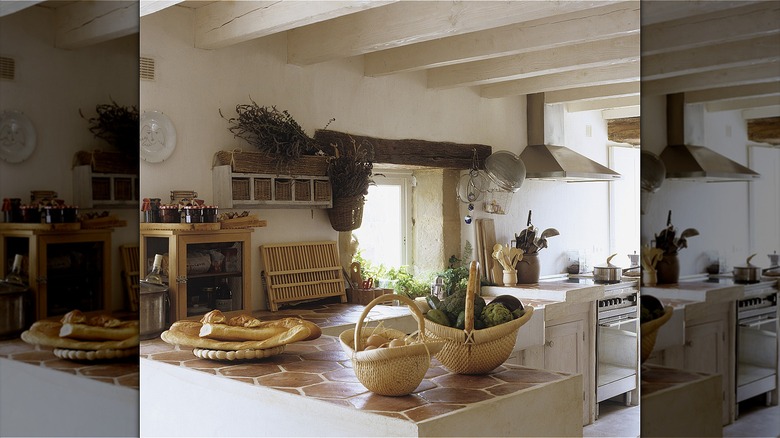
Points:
(225, 332)
(183, 337)
(46, 333)
(86, 332)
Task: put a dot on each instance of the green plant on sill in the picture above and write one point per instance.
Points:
(455, 276)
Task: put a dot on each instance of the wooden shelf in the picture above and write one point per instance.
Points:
(248, 190)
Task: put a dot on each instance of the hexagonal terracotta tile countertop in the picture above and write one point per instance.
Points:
(320, 371)
(122, 372)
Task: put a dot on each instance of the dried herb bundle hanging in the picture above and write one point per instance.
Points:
(116, 124)
(271, 131)
(350, 170)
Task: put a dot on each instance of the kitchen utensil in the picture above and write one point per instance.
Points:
(506, 170)
(749, 273)
(153, 309)
(471, 186)
(15, 309)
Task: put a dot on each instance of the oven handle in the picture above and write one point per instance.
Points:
(617, 323)
(760, 322)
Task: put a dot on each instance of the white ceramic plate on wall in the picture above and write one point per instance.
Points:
(17, 137)
(158, 137)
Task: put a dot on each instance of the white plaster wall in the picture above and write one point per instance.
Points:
(719, 211)
(193, 84)
(51, 86)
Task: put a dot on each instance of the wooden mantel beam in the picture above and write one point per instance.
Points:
(409, 152)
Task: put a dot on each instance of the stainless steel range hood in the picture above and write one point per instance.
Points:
(696, 163)
(559, 163)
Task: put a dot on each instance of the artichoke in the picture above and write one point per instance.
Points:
(495, 314)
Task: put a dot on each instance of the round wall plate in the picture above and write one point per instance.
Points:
(158, 137)
(17, 137)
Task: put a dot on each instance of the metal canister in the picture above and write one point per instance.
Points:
(16, 309)
(153, 309)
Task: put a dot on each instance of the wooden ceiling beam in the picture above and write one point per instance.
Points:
(753, 74)
(410, 22)
(221, 24)
(85, 23)
(624, 130)
(601, 104)
(730, 24)
(741, 104)
(409, 152)
(628, 72)
(715, 57)
(598, 23)
(765, 130)
(560, 59)
(735, 92)
(594, 92)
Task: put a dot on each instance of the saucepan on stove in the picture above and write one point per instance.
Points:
(749, 273)
(609, 273)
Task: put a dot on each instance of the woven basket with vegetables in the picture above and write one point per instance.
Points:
(652, 316)
(388, 361)
(482, 336)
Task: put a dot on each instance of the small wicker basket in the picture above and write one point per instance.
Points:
(346, 213)
(649, 331)
(389, 371)
(471, 351)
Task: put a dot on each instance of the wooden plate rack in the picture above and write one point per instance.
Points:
(302, 271)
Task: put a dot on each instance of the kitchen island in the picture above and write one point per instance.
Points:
(311, 390)
(47, 396)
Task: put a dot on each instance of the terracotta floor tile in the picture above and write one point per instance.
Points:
(393, 415)
(435, 371)
(373, 402)
(342, 375)
(155, 346)
(527, 376)
(249, 370)
(280, 359)
(104, 380)
(508, 388)
(289, 380)
(324, 340)
(110, 370)
(298, 348)
(290, 390)
(249, 380)
(466, 381)
(425, 385)
(338, 401)
(129, 381)
(34, 356)
(204, 363)
(65, 364)
(311, 366)
(454, 395)
(332, 355)
(334, 390)
(205, 370)
(174, 355)
(73, 371)
(430, 410)
(14, 346)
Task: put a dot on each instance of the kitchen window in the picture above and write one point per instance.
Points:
(383, 235)
(624, 231)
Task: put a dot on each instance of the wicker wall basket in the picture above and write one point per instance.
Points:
(389, 371)
(346, 213)
(649, 331)
(470, 351)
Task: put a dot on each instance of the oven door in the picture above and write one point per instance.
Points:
(757, 353)
(617, 344)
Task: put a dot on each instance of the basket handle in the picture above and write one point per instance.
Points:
(381, 299)
(471, 292)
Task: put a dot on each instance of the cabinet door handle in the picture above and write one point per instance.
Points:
(548, 344)
(181, 279)
(688, 343)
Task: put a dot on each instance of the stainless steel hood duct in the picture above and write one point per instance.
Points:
(559, 163)
(698, 163)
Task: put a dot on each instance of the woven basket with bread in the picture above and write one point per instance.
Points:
(216, 336)
(388, 361)
(81, 337)
(476, 351)
(653, 316)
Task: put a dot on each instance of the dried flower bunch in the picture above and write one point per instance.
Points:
(116, 124)
(271, 131)
(350, 169)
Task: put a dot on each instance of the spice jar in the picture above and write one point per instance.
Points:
(209, 214)
(169, 214)
(192, 214)
(30, 214)
(52, 214)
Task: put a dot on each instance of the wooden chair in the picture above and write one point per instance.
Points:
(130, 273)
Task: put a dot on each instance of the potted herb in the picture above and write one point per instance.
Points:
(350, 174)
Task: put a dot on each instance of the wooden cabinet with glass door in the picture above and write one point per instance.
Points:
(200, 267)
(65, 269)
